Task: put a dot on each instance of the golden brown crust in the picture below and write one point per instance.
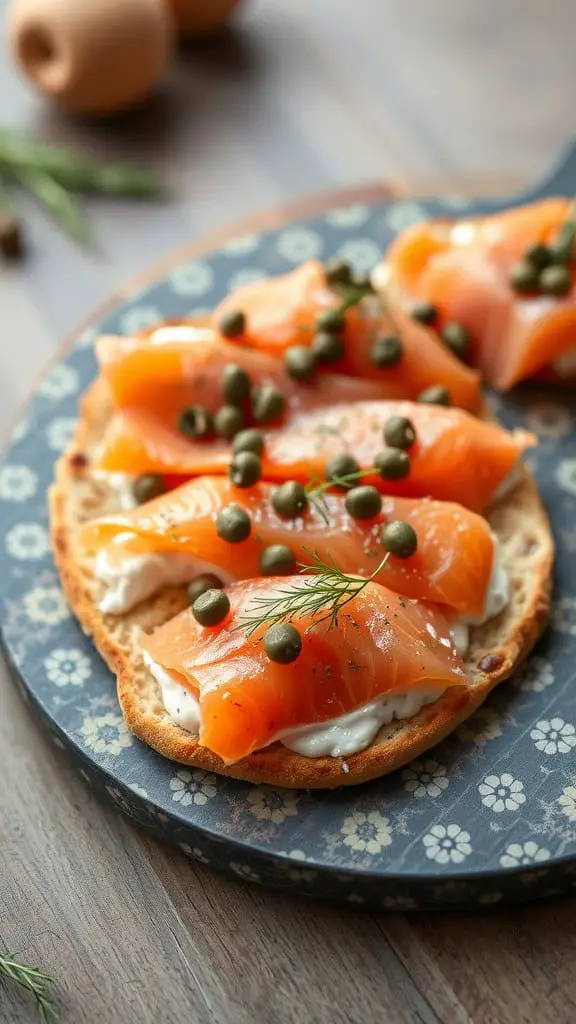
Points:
(519, 521)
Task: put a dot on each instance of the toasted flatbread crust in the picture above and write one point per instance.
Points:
(519, 521)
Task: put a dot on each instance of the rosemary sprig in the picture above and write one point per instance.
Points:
(74, 171)
(326, 592)
(53, 174)
(58, 202)
(33, 980)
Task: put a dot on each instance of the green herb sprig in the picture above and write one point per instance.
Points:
(54, 175)
(32, 980)
(316, 488)
(326, 592)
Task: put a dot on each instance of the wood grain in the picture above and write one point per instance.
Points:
(306, 97)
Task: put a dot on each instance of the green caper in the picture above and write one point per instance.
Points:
(148, 486)
(283, 643)
(538, 255)
(206, 581)
(392, 464)
(277, 560)
(195, 422)
(211, 607)
(524, 277)
(337, 272)
(399, 538)
(250, 440)
(300, 362)
(331, 320)
(399, 432)
(245, 469)
(386, 352)
(424, 313)
(339, 466)
(268, 403)
(235, 384)
(363, 502)
(555, 281)
(328, 348)
(233, 524)
(456, 338)
(232, 324)
(437, 395)
(228, 421)
(290, 500)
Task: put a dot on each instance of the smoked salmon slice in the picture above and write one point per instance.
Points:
(455, 457)
(453, 564)
(282, 311)
(464, 268)
(176, 366)
(383, 647)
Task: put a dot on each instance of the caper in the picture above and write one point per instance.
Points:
(331, 320)
(211, 607)
(195, 421)
(363, 502)
(233, 524)
(524, 277)
(268, 403)
(337, 272)
(339, 466)
(228, 421)
(555, 281)
(399, 432)
(245, 469)
(437, 395)
(199, 585)
(235, 384)
(148, 486)
(386, 352)
(300, 362)
(424, 313)
(392, 464)
(277, 560)
(283, 643)
(290, 500)
(456, 338)
(250, 440)
(399, 538)
(538, 255)
(328, 348)
(232, 324)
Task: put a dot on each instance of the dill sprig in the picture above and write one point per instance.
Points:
(33, 980)
(327, 590)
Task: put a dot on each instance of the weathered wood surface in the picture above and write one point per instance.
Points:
(306, 97)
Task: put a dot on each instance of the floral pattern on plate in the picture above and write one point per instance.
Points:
(489, 815)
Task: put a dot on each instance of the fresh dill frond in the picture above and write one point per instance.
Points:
(33, 980)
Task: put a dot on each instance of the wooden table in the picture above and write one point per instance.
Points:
(308, 96)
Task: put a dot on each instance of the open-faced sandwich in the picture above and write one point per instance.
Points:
(294, 535)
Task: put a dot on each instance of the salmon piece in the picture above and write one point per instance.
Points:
(179, 365)
(463, 268)
(383, 646)
(452, 566)
(456, 457)
(282, 311)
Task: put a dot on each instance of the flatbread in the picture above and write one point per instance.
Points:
(496, 649)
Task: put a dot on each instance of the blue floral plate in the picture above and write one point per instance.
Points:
(487, 816)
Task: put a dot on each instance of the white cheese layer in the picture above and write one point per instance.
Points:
(133, 577)
(337, 737)
(508, 483)
(121, 485)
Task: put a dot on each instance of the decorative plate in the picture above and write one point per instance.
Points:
(487, 816)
